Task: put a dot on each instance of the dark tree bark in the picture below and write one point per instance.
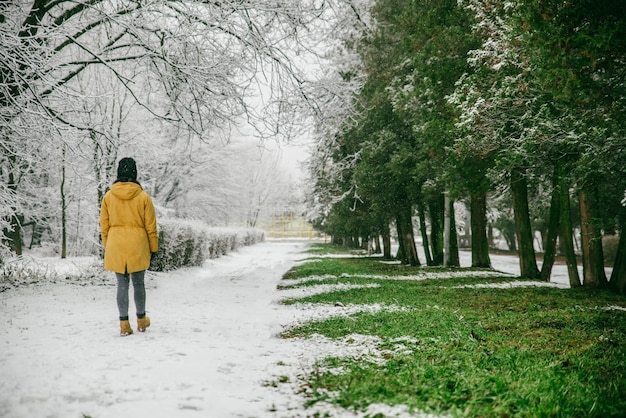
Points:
(435, 208)
(523, 228)
(377, 247)
(409, 238)
(14, 235)
(63, 210)
(552, 233)
(16, 219)
(453, 258)
(591, 238)
(402, 254)
(567, 238)
(618, 276)
(386, 237)
(424, 233)
(480, 243)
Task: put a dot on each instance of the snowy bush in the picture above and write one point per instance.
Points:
(16, 274)
(34, 271)
(184, 243)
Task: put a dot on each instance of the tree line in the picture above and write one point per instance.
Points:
(516, 109)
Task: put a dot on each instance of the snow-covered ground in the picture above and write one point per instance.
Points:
(212, 349)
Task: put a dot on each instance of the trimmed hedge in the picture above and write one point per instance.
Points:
(184, 243)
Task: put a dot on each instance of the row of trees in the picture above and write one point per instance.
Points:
(84, 83)
(519, 103)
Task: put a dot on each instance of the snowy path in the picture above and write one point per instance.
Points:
(211, 344)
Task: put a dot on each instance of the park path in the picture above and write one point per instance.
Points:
(211, 344)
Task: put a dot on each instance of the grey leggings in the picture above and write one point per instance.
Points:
(139, 292)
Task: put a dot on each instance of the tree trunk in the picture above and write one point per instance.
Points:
(618, 276)
(480, 243)
(425, 243)
(63, 217)
(63, 208)
(523, 228)
(402, 253)
(387, 246)
(386, 241)
(14, 235)
(377, 248)
(511, 240)
(591, 241)
(490, 236)
(409, 238)
(566, 234)
(453, 259)
(446, 228)
(362, 241)
(435, 208)
(552, 233)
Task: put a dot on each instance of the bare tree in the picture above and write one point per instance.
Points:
(197, 66)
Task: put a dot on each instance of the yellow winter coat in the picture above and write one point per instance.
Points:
(129, 229)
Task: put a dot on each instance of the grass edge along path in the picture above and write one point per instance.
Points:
(453, 348)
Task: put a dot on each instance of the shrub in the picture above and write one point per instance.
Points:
(184, 243)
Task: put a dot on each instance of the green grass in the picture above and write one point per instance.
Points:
(319, 248)
(522, 352)
(353, 265)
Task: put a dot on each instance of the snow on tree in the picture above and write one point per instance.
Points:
(113, 77)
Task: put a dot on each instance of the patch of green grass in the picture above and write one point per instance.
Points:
(354, 265)
(478, 351)
(326, 248)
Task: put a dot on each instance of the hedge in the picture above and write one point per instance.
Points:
(184, 243)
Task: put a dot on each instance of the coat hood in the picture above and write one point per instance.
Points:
(126, 190)
(129, 228)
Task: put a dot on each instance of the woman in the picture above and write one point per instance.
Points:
(129, 236)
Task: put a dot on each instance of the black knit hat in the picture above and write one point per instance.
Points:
(127, 170)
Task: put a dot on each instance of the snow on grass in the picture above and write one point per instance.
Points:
(303, 292)
(316, 347)
(339, 255)
(286, 284)
(373, 410)
(425, 275)
(360, 347)
(397, 411)
(511, 285)
(449, 275)
(301, 313)
(306, 261)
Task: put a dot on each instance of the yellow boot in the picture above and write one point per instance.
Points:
(143, 323)
(125, 328)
